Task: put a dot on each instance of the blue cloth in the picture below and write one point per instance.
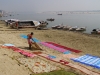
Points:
(67, 52)
(36, 40)
(50, 56)
(25, 37)
(89, 60)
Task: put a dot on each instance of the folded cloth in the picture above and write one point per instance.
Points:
(8, 45)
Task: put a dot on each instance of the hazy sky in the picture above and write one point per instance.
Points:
(49, 5)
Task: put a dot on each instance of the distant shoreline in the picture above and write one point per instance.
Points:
(73, 12)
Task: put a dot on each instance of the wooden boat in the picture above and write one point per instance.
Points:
(28, 24)
(66, 27)
(81, 29)
(59, 14)
(73, 28)
(60, 26)
(55, 27)
(43, 22)
(23, 23)
(95, 31)
(50, 19)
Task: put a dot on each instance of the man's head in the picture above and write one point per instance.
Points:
(32, 33)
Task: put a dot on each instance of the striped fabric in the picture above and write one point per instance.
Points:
(64, 47)
(55, 47)
(89, 60)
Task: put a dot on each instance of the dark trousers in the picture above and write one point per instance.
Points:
(30, 46)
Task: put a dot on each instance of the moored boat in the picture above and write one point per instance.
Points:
(55, 27)
(22, 23)
(81, 29)
(66, 27)
(95, 31)
(60, 26)
(28, 24)
(73, 28)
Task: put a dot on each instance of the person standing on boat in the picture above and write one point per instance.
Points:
(30, 40)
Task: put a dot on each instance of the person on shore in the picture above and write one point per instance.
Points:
(30, 40)
(6, 23)
(16, 24)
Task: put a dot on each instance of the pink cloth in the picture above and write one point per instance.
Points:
(53, 47)
(22, 51)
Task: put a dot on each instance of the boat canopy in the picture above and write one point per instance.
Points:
(32, 22)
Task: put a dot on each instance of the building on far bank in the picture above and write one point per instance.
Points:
(1, 13)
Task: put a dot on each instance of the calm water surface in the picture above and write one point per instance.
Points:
(90, 21)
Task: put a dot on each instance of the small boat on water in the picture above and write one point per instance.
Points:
(95, 31)
(43, 22)
(73, 28)
(66, 27)
(50, 19)
(55, 27)
(59, 14)
(81, 29)
(60, 26)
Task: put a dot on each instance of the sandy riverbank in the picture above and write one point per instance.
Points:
(88, 44)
